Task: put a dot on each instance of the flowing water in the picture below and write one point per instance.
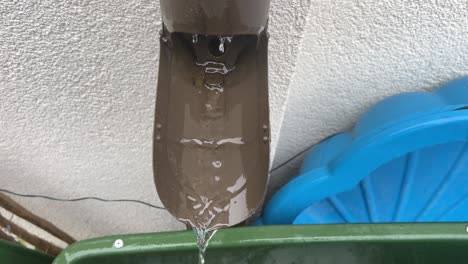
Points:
(204, 235)
(203, 239)
(217, 135)
(214, 105)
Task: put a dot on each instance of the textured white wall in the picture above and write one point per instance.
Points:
(355, 53)
(78, 81)
(77, 88)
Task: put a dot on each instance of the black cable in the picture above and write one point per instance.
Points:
(291, 159)
(82, 199)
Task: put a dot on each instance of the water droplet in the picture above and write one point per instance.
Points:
(221, 44)
(217, 164)
(164, 39)
(217, 178)
(265, 127)
(159, 126)
(266, 139)
(158, 137)
(194, 38)
(209, 107)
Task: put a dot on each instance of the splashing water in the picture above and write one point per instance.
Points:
(203, 239)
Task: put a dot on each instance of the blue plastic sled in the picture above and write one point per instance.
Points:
(406, 160)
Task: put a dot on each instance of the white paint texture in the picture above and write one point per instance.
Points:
(355, 53)
(78, 81)
(77, 87)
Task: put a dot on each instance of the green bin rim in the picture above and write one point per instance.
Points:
(21, 254)
(265, 236)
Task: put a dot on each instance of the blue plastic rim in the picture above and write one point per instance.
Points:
(406, 160)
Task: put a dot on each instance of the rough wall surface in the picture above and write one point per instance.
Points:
(78, 81)
(355, 53)
(77, 87)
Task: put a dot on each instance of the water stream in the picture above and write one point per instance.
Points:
(210, 148)
(203, 239)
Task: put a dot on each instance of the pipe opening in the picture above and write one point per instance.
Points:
(216, 46)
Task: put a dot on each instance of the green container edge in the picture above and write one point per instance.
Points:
(17, 254)
(265, 236)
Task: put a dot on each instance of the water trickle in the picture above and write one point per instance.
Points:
(215, 67)
(222, 43)
(203, 239)
(214, 87)
(206, 152)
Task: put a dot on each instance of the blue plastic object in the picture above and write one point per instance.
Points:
(406, 160)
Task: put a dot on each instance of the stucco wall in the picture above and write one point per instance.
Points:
(354, 53)
(78, 81)
(77, 87)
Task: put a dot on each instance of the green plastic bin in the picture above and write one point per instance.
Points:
(16, 254)
(382, 243)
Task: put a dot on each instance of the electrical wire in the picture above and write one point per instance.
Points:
(290, 160)
(99, 199)
(82, 199)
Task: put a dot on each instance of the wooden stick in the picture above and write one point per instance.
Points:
(4, 236)
(39, 243)
(18, 210)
